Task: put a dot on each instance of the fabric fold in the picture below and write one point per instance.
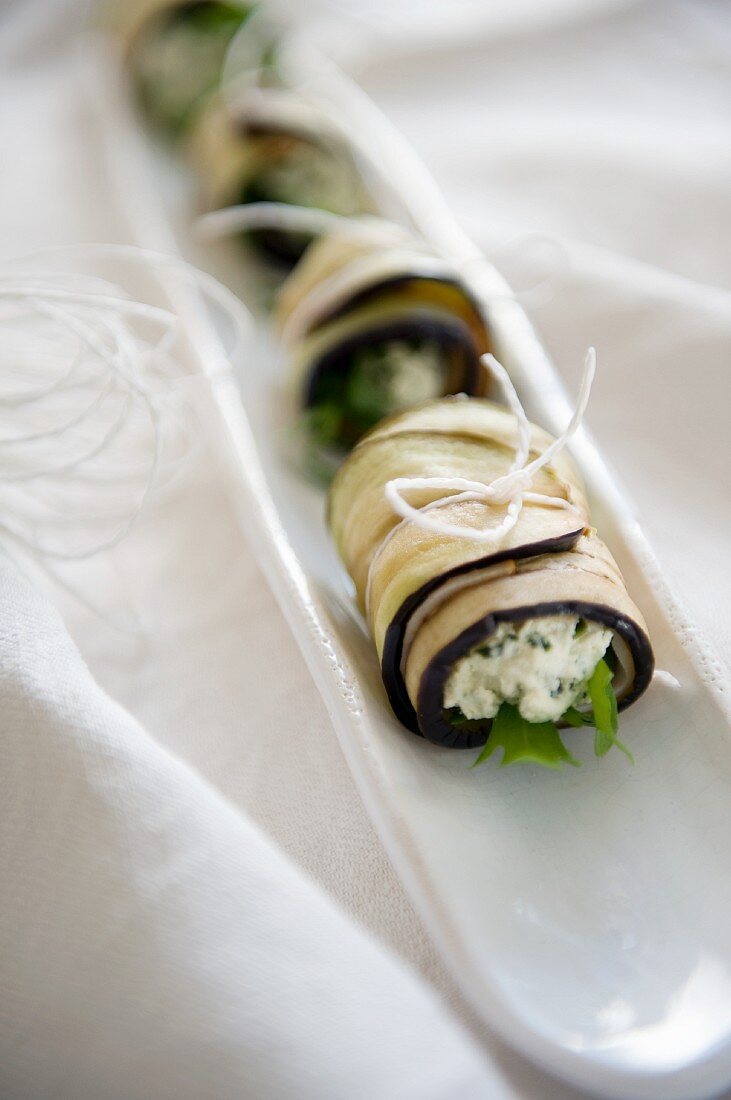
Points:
(154, 943)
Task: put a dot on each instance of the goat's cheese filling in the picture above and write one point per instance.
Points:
(380, 379)
(403, 374)
(540, 666)
(311, 176)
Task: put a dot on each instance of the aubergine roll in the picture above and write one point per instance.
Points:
(276, 147)
(371, 324)
(487, 643)
(176, 51)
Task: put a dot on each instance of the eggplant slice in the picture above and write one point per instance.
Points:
(176, 51)
(373, 324)
(430, 599)
(275, 146)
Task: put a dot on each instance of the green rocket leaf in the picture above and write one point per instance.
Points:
(604, 706)
(525, 742)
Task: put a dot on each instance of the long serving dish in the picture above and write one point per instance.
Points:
(586, 915)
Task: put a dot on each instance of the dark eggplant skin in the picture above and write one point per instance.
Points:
(281, 248)
(277, 247)
(251, 128)
(429, 717)
(442, 332)
(393, 282)
(393, 644)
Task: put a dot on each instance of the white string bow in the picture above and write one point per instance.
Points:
(512, 489)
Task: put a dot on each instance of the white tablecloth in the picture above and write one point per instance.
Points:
(605, 125)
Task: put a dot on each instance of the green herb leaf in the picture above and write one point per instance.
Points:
(323, 421)
(574, 717)
(604, 706)
(366, 394)
(525, 742)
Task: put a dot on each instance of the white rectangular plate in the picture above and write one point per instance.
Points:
(586, 914)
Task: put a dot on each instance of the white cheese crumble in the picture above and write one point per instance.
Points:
(540, 665)
(415, 374)
(395, 375)
(311, 176)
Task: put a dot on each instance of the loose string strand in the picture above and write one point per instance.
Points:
(107, 368)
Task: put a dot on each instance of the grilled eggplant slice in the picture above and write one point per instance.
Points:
(467, 631)
(373, 324)
(175, 52)
(275, 146)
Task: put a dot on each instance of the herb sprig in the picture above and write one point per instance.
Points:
(525, 742)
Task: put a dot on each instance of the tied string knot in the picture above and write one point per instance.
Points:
(503, 489)
(511, 490)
